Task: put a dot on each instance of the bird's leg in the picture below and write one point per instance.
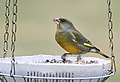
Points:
(79, 58)
(64, 57)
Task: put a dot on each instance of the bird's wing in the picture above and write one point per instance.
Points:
(80, 39)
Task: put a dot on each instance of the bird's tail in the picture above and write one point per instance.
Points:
(103, 54)
(95, 50)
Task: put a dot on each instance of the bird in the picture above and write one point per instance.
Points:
(71, 40)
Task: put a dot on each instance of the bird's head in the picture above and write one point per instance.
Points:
(63, 24)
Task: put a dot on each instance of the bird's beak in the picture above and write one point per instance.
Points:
(56, 20)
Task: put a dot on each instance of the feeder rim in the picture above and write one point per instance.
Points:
(106, 61)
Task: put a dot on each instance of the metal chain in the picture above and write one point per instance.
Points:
(110, 27)
(14, 27)
(13, 36)
(6, 34)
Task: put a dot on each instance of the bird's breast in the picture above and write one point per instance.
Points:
(66, 43)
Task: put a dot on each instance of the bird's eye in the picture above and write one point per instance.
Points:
(62, 20)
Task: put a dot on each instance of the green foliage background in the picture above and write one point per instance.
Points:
(36, 30)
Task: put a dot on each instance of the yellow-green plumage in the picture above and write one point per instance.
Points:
(72, 40)
(66, 42)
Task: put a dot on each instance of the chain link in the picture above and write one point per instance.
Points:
(6, 34)
(14, 27)
(13, 36)
(110, 27)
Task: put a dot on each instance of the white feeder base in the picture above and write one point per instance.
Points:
(41, 66)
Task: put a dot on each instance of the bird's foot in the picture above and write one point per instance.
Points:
(64, 57)
(79, 58)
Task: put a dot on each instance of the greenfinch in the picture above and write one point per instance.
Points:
(71, 40)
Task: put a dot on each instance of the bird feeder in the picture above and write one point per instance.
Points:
(48, 68)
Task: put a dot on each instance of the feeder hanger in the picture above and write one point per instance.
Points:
(110, 34)
(6, 34)
(13, 33)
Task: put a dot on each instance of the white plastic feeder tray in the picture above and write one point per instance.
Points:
(39, 68)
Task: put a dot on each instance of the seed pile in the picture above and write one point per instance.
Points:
(82, 61)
